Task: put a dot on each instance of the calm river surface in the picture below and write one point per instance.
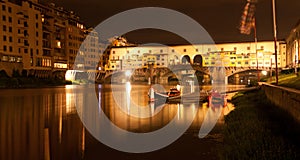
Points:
(45, 123)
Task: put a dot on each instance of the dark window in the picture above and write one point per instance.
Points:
(25, 50)
(10, 39)
(184, 50)
(9, 9)
(9, 19)
(3, 8)
(37, 25)
(37, 34)
(4, 28)
(10, 29)
(37, 51)
(4, 38)
(36, 16)
(3, 18)
(10, 49)
(4, 48)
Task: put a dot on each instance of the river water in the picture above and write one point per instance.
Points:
(46, 123)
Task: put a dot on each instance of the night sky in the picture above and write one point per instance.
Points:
(221, 18)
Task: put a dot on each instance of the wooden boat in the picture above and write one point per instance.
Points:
(215, 99)
(172, 94)
(175, 95)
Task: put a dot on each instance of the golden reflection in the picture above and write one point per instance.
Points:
(229, 107)
(46, 144)
(60, 120)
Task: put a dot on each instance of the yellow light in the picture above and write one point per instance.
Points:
(264, 73)
(58, 44)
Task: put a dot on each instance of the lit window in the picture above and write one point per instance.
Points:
(5, 58)
(58, 44)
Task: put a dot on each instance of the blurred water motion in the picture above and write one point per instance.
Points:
(43, 123)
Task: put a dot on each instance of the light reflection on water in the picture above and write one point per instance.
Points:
(43, 123)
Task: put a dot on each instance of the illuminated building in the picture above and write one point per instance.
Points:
(232, 54)
(293, 49)
(37, 39)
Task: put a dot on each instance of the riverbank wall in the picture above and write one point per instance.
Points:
(285, 98)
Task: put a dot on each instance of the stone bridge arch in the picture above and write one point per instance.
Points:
(186, 59)
(198, 60)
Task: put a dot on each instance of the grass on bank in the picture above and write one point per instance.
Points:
(24, 82)
(291, 81)
(286, 78)
(258, 130)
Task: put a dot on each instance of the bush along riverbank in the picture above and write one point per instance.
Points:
(258, 130)
(27, 82)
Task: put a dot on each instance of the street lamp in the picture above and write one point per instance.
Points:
(275, 39)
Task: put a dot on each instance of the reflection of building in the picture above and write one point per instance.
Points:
(293, 49)
(231, 54)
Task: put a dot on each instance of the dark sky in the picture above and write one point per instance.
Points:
(220, 18)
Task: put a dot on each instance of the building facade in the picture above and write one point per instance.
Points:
(293, 47)
(37, 39)
(231, 54)
(21, 37)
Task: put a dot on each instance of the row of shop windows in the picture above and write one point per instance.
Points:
(13, 59)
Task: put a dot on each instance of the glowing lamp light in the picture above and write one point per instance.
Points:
(264, 73)
(128, 73)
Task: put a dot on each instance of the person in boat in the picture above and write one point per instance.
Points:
(174, 91)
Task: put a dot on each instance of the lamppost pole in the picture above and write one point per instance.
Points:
(255, 37)
(275, 39)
